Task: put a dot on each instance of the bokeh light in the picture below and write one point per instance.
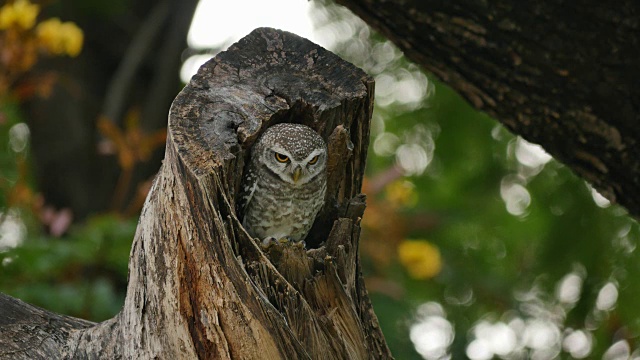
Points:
(12, 230)
(432, 334)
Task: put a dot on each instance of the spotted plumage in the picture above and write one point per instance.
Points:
(285, 182)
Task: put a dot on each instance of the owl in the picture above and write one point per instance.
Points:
(284, 184)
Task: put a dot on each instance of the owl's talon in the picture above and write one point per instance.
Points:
(284, 240)
(268, 242)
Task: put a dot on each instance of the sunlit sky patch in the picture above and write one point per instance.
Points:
(218, 24)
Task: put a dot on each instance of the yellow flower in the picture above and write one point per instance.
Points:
(7, 16)
(60, 38)
(20, 13)
(48, 33)
(402, 193)
(73, 38)
(421, 258)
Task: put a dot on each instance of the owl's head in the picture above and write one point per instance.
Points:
(294, 152)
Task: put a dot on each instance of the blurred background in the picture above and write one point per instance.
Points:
(476, 243)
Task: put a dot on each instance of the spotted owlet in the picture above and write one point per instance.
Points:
(284, 185)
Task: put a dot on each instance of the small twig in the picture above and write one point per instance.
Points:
(121, 189)
(164, 81)
(123, 79)
(138, 201)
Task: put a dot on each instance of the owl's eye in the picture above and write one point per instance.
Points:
(282, 158)
(313, 160)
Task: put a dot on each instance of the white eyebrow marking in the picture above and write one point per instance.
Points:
(313, 154)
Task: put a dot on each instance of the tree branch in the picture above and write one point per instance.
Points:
(560, 74)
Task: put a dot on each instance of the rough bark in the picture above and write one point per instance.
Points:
(199, 285)
(562, 74)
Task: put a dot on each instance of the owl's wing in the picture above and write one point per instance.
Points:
(249, 186)
(249, 193)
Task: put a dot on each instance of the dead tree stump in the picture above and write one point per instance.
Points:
(199, 286)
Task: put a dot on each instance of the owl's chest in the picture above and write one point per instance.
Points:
(278, 209)
(280, 199)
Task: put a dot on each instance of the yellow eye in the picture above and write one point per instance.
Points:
(313, 160)
(282, 158)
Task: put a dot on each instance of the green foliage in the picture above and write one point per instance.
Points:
(82, 275)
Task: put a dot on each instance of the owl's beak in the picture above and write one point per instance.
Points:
(296, 174)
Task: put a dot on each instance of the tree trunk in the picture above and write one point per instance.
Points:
(199, 285)
(563, 74)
